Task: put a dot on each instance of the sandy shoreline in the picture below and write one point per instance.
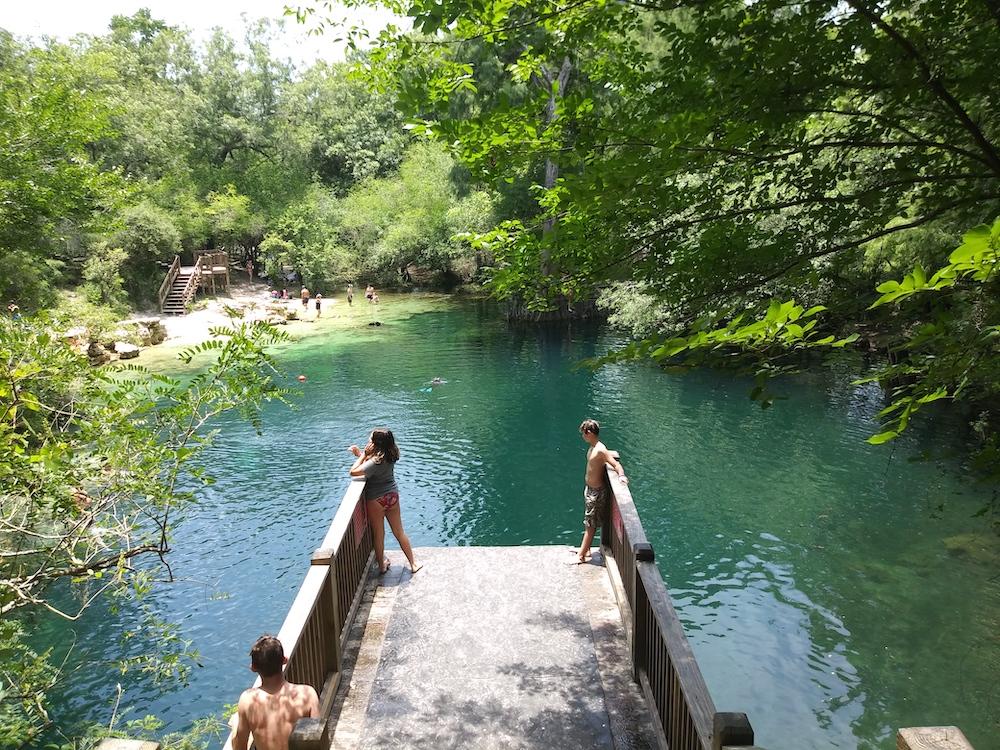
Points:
(254, 301)
(195, 326)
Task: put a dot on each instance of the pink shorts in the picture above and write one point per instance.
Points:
(387, 500)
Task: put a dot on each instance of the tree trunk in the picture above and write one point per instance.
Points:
(556, 87)
(514, 309)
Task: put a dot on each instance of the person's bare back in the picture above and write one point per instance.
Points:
(269, 712)
(270, 717)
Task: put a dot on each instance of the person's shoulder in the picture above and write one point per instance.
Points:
(247, 697)
(303, 691)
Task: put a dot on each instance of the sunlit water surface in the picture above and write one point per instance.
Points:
(823, 590)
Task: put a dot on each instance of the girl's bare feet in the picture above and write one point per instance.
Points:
(384, 567)
(415, 567)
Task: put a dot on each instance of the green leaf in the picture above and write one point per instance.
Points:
(975, 241)
(887, 286)
(883, 437)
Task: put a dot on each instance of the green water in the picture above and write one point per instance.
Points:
(823, 591)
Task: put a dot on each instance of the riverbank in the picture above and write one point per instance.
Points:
(251, 301)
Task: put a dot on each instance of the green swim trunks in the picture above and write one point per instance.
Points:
(595, 506)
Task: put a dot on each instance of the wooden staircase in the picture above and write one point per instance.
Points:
(175, 303)
(179, 287)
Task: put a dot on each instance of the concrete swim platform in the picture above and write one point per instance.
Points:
(490, 647)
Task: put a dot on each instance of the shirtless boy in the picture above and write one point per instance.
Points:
(270, 711)
(596, 490)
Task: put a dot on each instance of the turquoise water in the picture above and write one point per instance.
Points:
(823, 590)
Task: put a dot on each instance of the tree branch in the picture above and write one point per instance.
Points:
(934, 83)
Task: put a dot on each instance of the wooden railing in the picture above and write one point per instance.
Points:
(212, 265)
(168, 280)
(319, 621)
(662, 660)
(192, 283)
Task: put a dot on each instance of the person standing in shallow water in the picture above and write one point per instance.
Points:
(376, 463)
(596, 488)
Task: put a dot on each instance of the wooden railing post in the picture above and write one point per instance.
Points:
(326, 556)
(932, 738)
(309, 734)
(731, 730)
(642, 552)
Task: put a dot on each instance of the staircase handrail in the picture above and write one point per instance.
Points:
(168, 280)
(193, 280)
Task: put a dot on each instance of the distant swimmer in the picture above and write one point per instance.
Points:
(434, 382)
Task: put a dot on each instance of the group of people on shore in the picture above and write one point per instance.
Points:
(269, 712)
(317, 299)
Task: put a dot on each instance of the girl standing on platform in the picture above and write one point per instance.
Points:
(376, 463)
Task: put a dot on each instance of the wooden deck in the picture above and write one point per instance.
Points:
(505, 647)
(497, 647)
(490, 647)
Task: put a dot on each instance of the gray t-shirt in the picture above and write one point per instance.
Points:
(379, 479)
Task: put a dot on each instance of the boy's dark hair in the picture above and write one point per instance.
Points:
(385, 445)
(267, 656)
(590, 425)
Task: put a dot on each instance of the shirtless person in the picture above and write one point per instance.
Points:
(270, 711)
(304, 294)
(595, 493)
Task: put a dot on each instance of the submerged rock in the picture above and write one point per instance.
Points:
(978, 547)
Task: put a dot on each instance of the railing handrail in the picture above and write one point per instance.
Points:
(193, 280)
(168, 280)
(322, 612)
(302, 607)
(637, 579)
(345, 512)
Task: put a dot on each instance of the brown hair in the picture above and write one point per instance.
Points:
(267, 656)
(385, 445)
(590, 425)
